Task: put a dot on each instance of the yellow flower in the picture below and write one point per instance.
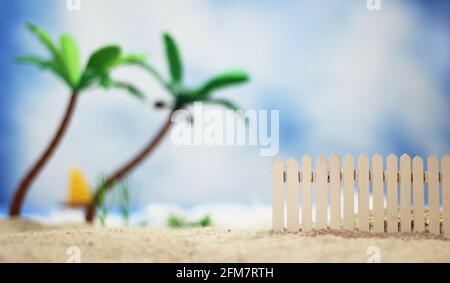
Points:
(80, 192)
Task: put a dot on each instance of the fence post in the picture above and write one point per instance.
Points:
(349, 191)
(335, 192)
(405, 193)
(293, 196)
(392, 193)
(306, 193)
(378, 193)
(321, 195)
(363, 193)
(445, 181)
(418, 195)
(277, 196)
(433, 194)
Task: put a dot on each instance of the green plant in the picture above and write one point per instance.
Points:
(120, 198)
(123, 200)
(182, 96)
(177, 221)
(203, 222)
(103, 208)
(65, 63)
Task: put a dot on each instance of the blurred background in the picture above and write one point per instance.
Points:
(345, 79)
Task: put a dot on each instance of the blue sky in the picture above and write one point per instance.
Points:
(13, 14)
(345, 80)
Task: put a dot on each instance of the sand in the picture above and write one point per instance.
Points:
(26, 241)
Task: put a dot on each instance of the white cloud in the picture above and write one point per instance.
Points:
(375, 81)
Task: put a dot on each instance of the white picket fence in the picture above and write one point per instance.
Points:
(392, 197)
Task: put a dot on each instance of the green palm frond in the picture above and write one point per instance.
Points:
(154, 73)
(230, 105)
(38, 61)
(184, 95)
(71, 57)
(45, 38)
(133, 58)
(105, 80)
(44, 64)
(103, 61)
(220, 81)
(225, 102)
(173, 58)
(133, 90)
(65, 62)
(98, 66)
(104, 58)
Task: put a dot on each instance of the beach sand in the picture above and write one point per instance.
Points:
(27, 241)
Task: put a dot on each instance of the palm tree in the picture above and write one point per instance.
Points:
(65, 64)
(182, 96)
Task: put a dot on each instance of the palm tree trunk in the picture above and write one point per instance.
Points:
(129, 166)
(24, 185)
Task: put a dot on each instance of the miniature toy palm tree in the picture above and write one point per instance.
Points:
(65, 64)
(182, 96)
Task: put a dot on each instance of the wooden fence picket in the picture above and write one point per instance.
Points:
(445, 182)
(321, 195)
(306, 193)
(292, 179)
(400, 206)
(433, 194)
(363, 193)
(277, 196)
(405, 193)
(392, 193)
(348, 177)
(418, 195)
(335, 192)
(378, 193)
